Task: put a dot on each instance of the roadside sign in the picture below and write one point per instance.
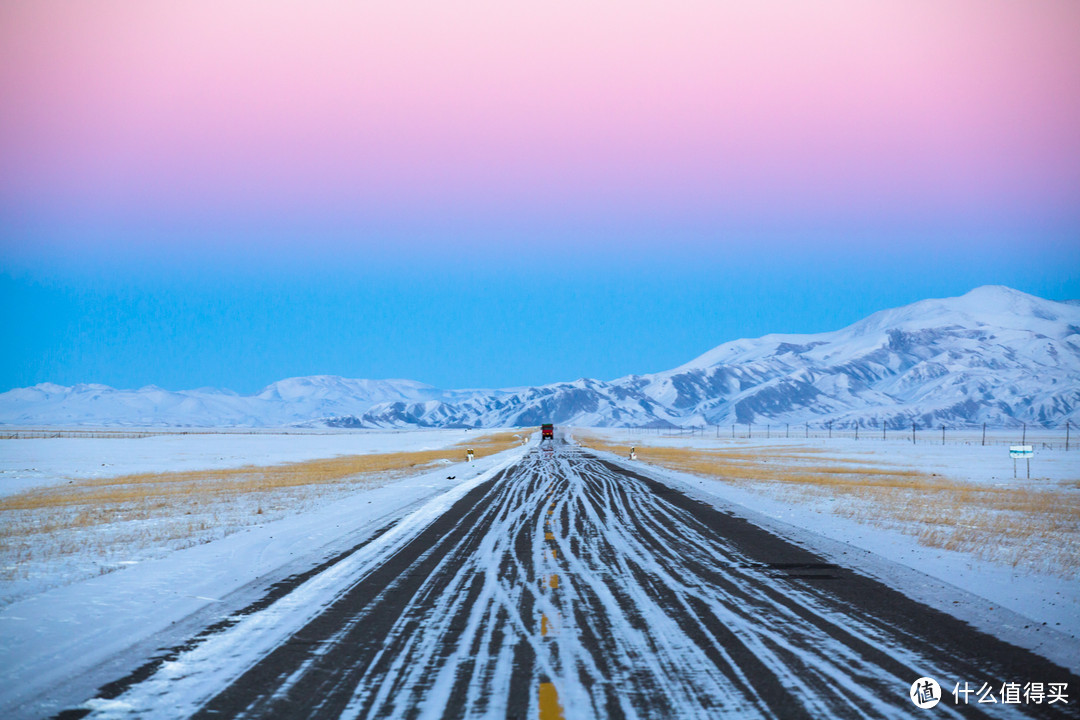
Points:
(1021, 451)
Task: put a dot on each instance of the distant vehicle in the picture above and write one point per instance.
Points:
(547, 430)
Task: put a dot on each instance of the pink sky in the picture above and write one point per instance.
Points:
(741, 111)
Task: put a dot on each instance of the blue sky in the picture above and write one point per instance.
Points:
(197, 194)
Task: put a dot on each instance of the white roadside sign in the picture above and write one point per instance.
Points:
(1020, 451)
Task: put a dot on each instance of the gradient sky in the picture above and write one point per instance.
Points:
(493, 194)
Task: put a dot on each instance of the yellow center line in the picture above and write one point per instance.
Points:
(550, 707)
(548, 701)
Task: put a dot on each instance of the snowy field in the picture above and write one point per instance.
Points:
(34, 462)
(72, 508)
(60, 622)
(1040, 583)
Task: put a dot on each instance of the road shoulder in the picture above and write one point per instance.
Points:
(988, 615)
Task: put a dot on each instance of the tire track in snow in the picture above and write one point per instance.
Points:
(664, 607)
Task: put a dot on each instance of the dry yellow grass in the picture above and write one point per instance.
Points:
(178, 509)
(160, 488)
(1036, 529)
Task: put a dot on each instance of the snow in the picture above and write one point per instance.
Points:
(1044, 601)
(32, 462)
(58, 646)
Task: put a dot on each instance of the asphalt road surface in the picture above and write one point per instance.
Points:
(567, 586)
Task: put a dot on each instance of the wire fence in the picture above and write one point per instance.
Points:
(40, 433)
(1059, 438)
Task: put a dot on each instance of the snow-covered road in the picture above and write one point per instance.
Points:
(566, 584)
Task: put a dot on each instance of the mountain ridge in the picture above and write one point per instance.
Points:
(994, 355)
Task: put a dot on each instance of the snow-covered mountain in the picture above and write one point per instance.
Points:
(290, 401)
(994, 355)
(583, 402)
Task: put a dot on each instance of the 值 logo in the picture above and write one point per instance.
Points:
(925, 692)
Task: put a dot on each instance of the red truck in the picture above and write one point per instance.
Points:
(547, 430)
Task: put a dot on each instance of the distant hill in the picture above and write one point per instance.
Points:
(994, 355)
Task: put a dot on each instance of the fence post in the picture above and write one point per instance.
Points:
(808, 430)
(749, 430)
(942, 434)
(830, 429)
(768, 432)
(787, 433)
(856, 430)
(1023, 441)
(883, 426)
(732, 431)
(984, 434)
(912, 432)
(1066, 435)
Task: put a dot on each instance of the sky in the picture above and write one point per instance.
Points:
(482, 194)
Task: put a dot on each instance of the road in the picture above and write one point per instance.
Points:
(567, 586)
